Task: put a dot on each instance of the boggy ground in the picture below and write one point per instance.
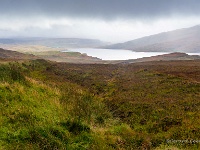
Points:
(48, 105)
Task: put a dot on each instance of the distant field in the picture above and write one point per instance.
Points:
(52, 54)
(70, 57)
(28, 48)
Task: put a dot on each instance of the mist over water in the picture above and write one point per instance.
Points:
(113, 54)
(116, 54)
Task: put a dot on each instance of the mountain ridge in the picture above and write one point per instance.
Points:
(55, 42)
(180, 40)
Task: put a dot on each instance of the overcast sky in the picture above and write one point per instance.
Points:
(107, 20)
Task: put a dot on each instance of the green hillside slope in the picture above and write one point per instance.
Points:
(46, 105)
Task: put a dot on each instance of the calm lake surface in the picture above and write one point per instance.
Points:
(115, 54)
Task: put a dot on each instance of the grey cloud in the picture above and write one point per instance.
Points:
(106, 9)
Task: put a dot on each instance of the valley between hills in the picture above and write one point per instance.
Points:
(108, 105)
(67, 100)
(99, 74)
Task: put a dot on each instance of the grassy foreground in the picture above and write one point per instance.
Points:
(45, 105)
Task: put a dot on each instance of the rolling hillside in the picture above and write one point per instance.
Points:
(13, 55)
(70, 57)
(182, 40)
(49, 105)
(166, 57)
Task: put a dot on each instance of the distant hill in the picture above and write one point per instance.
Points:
(56, 42)
(165, 57)
(70, 57)
(13, 55)
(182, 40)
